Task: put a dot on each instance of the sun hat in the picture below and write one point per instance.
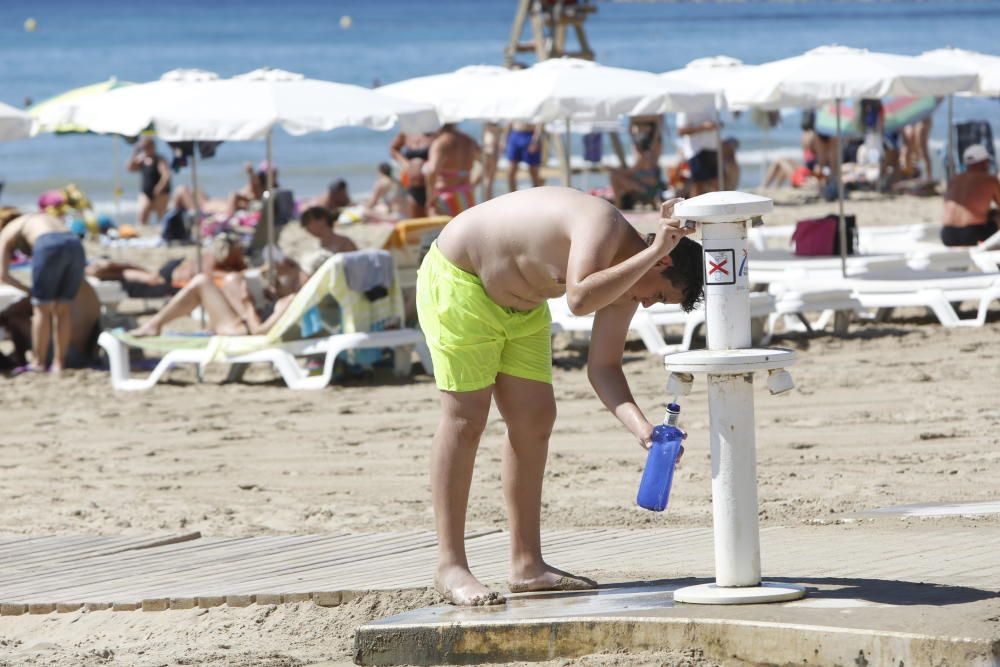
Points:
(975, 154)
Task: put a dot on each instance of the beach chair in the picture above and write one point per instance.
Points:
(408, 242)
(791, 306)
(770, 266)
(366, 324)
(936, 291)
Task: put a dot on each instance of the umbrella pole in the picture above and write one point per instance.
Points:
(949, 160)
(720, 173)
(197, 218)
(763, 157)
(118, 178)
(841, 226)
(269, 204)
(567, 167)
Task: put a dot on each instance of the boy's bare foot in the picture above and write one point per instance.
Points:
(458, 586)
(146, 329)
(548, 578)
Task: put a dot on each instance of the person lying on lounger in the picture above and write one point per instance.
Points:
(229, 307)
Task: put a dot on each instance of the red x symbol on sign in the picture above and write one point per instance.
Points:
(718, 267)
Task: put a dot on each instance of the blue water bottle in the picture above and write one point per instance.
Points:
(659, 472)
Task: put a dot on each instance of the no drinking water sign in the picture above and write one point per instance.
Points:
(720, 268)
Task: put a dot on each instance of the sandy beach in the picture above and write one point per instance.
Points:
(897, 412)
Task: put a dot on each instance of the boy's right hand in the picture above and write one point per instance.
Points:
(669, 232)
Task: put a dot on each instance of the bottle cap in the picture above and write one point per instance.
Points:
(674, 408)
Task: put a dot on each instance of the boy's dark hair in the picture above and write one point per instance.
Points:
(316, 213)
(339, 184)
(385, 169)
(687, 272)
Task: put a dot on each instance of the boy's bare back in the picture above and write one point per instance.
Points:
(526, 244)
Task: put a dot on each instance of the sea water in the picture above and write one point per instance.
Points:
(78, 43)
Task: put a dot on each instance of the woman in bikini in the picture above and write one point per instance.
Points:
(411, 152)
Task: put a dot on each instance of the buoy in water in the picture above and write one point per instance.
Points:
(346, 21)
(30, 24)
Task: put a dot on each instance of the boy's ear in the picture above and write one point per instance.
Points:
(665, 261)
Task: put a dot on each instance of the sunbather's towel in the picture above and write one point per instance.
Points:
(366, 270)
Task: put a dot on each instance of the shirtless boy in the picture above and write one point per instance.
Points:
(968, 214)
(481, 299)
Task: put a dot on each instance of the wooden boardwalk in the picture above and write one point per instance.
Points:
(177, 571)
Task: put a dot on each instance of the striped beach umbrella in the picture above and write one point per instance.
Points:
(897, 112)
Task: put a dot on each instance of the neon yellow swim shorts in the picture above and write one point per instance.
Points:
(471, 338)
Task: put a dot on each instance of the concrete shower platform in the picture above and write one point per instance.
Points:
(884, 593)
(830, 627)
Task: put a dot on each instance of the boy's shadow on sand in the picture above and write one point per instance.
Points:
(880, 591)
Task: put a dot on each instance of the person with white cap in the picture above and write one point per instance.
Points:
(969, 215)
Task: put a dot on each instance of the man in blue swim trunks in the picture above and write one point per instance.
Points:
(524, 144)
(57, 263)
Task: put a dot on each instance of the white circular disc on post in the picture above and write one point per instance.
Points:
(729, 362)
(725, 206)
(767, 591)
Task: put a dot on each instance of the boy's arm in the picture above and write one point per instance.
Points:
(589, 288)
(604, 369)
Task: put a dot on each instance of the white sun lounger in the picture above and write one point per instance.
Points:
(792, 304)
(918, 243)
(356, 311)
(932, 290)
(781, 266)
(646, 322)
(282, 357)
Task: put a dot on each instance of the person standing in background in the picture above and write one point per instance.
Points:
(697, 138)
(524, 144)
(410, 151)
(154, 190)
(449, 171)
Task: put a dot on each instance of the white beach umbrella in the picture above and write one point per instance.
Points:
(829, 73)
(457, 95)
(835, 73)
(580, 90)
(717, 73)
(247, 107)
(559, 89)
(985, 65)
(14, 123)
(186, 106)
